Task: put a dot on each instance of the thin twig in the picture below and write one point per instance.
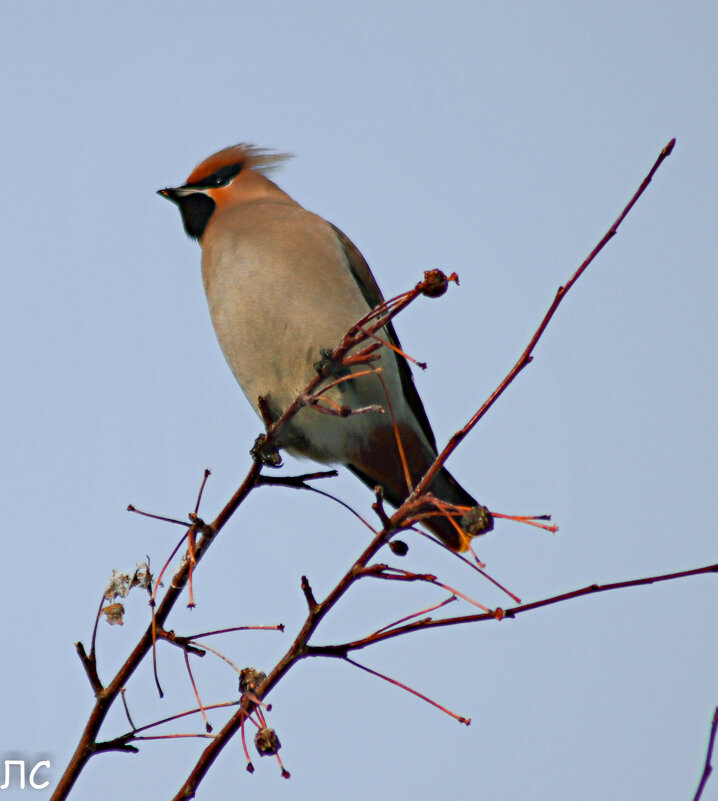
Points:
(127, 709)
(501, 614)
(214, 651)
(177, 716)
(207, 474)
(526, 357)
(90, 666)
(472, 565)
(433, 608)
(275, 627)
(297, 482)
(345, 505)
(707, 767)
(94, 630)
(465, 721)
(308, 594)
(207, 725)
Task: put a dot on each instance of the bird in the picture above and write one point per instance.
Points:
(283, 286)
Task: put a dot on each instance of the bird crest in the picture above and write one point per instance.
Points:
(248, 156)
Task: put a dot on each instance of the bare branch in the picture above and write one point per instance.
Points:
(708, 768)
(296, 482)
(308, 594)
(465, 721)
(88, 662)
(526, 357)
(501, 614)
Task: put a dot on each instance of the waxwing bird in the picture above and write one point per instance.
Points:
(282, 285)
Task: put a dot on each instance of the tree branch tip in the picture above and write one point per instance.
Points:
(707, 766)
(668, 149)
(309, 595)
(90, 667)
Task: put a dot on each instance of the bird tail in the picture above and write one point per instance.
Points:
(446, 525)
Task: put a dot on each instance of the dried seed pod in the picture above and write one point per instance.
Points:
(399, 547)
(250, 679)
(477, 521)
(267, 742)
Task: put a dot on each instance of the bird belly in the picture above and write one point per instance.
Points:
(275, 306)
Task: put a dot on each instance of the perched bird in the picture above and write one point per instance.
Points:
(283, 285)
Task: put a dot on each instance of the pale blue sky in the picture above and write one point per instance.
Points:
(498, 140)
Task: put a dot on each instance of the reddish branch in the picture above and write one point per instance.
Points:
(526, 357)
(346, 353)
(343, 649)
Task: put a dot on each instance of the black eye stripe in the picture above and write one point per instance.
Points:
(220, 177)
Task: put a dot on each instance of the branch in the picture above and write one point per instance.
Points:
(460, 718)
(296, 482)
(300, 648)
(708, 768)
(526, 357)
(90, 665)
(499, 614)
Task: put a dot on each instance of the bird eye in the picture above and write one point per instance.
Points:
(225, 174)
(221, 177)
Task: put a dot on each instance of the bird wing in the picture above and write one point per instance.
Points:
(372, 294)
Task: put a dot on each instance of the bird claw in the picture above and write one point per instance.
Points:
(265, 453)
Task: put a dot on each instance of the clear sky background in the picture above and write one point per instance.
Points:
(499, 140)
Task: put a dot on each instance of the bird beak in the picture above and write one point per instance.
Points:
(175, 195)
(170, 194)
